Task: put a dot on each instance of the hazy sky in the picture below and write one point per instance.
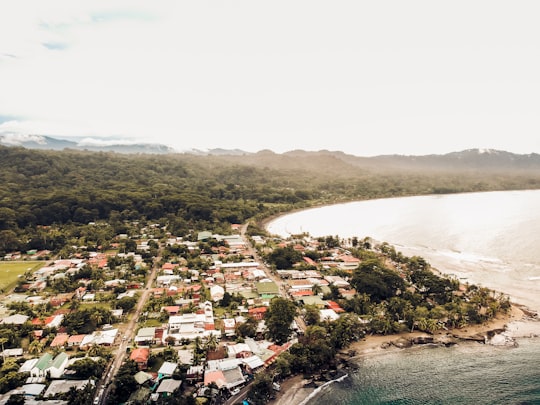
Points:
(365, 77)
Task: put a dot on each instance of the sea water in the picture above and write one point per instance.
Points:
(470, 373)
(490, 239)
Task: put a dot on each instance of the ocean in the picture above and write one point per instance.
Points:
(490, 239)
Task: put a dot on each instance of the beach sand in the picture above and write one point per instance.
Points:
(294, 390)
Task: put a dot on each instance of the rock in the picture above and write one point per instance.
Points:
(447, 340)
(402, 343)
(423, 340)
(502, 340)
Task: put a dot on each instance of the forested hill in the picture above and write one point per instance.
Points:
(187, 191)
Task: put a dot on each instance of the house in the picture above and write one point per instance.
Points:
(146, 336)
(185, 356)
(167, 369)
(216, 377)
(229, 327)
(171, 309)
(12, 352)
(75, 340)
(217, 292)
(58, 365)
(258, 312)
(41, 366)
(328, 315)
(60, 340)
(33, 390)
(47, 365)
(348, 262)
(16, 319)
(334, 306)
(140, 356)
(337, 281)
(239, 350)
(267, 289)
(142, 376)
(28, 365)
(168, 386)
(311, 300)
(252, 363)
(203, 236)
(63, 386)
(101, 338)
(192, 325)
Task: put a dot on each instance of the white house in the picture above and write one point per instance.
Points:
(217, 292)
(193, 325)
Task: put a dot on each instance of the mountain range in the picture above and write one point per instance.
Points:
(470, 159)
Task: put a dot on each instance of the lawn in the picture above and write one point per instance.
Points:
(10, 272)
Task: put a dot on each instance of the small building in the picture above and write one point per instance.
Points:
(75, 340)
(33, 390)
(41, 366)
(267, 289)
(167, 369)
(16, 319)
(140, 356)
(58, 365)
(60, 340)
(146, 336)
(168, 386)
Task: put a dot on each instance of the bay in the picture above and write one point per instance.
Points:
(490, 239)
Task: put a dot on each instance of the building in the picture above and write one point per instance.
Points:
(140, 356)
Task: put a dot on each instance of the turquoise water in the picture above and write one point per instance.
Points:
(464, 374)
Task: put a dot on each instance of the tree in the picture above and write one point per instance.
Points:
(36, 347)
(126, 303)
(86, 368)
(211, 343)
(247, 328)
(311, 314)
(16, 399)
(261, 390)
(279, 317)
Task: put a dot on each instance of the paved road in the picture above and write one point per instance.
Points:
(129, 333)
(271, 275)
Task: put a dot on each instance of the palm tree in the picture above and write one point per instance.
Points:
(316, 289)
(36, 347)
(211, 343)
(96, 317)
(2, 342)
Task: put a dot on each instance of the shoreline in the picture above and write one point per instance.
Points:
(519, 323)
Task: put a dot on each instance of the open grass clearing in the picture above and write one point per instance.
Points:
(10, 272)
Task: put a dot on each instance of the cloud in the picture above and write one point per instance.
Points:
(294, 74)
(104, 142)
(18, 139)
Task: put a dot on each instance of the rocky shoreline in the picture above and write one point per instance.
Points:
(502, 331)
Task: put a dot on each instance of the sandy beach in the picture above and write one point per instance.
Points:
(517, 323)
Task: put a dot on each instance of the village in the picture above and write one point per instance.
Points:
(196, 306)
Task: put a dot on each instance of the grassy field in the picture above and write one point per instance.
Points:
(10, 271)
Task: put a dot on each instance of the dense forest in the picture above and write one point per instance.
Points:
(69, 188)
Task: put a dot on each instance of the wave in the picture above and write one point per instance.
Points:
(319, 389)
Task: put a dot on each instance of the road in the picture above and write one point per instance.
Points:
(271, 275)
(129, 333)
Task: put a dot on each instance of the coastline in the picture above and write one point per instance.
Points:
(518, 323)
(521, 322)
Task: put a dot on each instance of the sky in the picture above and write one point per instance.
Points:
(364, 77)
